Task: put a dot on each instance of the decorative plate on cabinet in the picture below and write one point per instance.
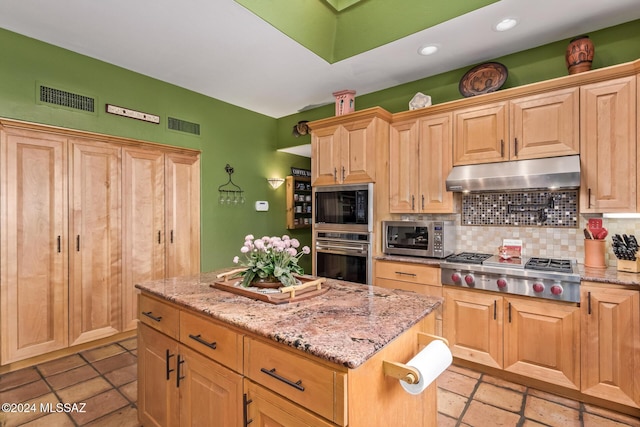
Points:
(483, 78)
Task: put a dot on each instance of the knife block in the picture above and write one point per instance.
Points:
(629, 266)
(594, 253)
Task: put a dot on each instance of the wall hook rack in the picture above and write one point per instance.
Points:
(229, 192)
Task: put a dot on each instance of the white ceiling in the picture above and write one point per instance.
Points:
(219, 49)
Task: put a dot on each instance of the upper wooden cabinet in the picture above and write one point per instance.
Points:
(419, 161)
(608, 146)
(344, 149)
(541, 125)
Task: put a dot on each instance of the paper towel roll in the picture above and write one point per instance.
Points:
(433, 360)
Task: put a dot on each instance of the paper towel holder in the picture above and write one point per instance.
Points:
(407, 373)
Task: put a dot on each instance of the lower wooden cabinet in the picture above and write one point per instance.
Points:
(611, 343)
(533, 338)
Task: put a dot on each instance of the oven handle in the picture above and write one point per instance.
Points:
(342, 250)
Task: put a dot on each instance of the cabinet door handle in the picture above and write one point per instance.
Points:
(423, 202)
(502, 148)
(335, 174)
(151, 316)
(78, 243)
(171, 236)
(59, 243)
(589, 198)
(413, 202)
(509, 312)
(495, 309)
(245, 409)
(343, 173)
(211, 345)
(515, 147)
(167, 357)
(178, 366)
(272, 372)
(159, 241)
(589, 303)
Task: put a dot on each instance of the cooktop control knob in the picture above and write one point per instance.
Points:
(556, 289)
(456, 277)
(502, 282)
(469, 279)
(538, 287)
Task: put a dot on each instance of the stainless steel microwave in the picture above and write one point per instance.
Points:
(431, 239)
(344, 207)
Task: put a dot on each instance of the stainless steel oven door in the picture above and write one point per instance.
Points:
(343, 256)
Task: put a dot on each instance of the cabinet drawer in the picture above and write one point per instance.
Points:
(312, 385)
(407, 272)
(211, 339)
(158, 315)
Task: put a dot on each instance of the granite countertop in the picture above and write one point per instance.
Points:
(346, 325)
(605, 275)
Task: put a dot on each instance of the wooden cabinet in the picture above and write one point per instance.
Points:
(422, 279)
(344, 148)
(505, 332)
(84, 218)
(34, 259)
(420, 158)
(610, 343)
(177, 385)
(299, 202)
(95, 240)
(536, 126)
(608, 143)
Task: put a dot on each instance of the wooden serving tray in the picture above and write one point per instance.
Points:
(310, 287)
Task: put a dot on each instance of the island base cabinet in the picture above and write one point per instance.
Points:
(264, 408)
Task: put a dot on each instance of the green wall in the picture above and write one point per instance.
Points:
(613, 46)
(228, 134)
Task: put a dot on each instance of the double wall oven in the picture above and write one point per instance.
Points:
(342, 227)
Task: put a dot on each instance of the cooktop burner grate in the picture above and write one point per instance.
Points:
(549, 264)
(469, 257)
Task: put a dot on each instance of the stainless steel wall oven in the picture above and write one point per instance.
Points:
(343, 255)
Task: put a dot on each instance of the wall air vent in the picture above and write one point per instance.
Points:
(183, 126)
(67, 99)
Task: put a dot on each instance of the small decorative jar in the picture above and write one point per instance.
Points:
(345, 101)
(579, 54)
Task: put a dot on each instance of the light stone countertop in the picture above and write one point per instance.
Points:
(346, 325)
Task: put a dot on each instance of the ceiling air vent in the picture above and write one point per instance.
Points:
(183, 126)
(67, 99)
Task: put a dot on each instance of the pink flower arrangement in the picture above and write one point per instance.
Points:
(275, 257)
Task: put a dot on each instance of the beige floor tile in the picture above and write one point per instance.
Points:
(81, 392)
(451, 404)
(57, 419)
(18, 378)
(479, 414)
(550, 413)
(114, 362)
(99, 406)
(554, 398)
(61, 365)
(130, 344)
(500, 397)
(100, 353)
(502, 383)
(25, 392)
(457, 383)
(19, 418)
(71, 377)
(125, 417)
(130, 391)
(464, 371)
(444, 421)
(591, 420)
(616, 416)
(530, 423)
(122, 376)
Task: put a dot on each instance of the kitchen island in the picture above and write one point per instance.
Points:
(213, 357)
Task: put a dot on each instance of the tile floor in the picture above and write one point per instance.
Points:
(104, 379)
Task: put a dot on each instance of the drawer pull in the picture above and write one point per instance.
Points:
(151, 316)
(211, 345)
(402, 273)
(272, 372)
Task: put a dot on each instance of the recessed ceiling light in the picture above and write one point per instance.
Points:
(506, 24)
(428, 50)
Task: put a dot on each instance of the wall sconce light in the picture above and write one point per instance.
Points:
(275, 182)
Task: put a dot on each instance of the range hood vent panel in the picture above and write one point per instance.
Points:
(533, 174)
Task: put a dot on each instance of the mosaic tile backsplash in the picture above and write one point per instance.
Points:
(521, 209)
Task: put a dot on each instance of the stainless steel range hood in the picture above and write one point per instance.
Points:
(534, 174)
